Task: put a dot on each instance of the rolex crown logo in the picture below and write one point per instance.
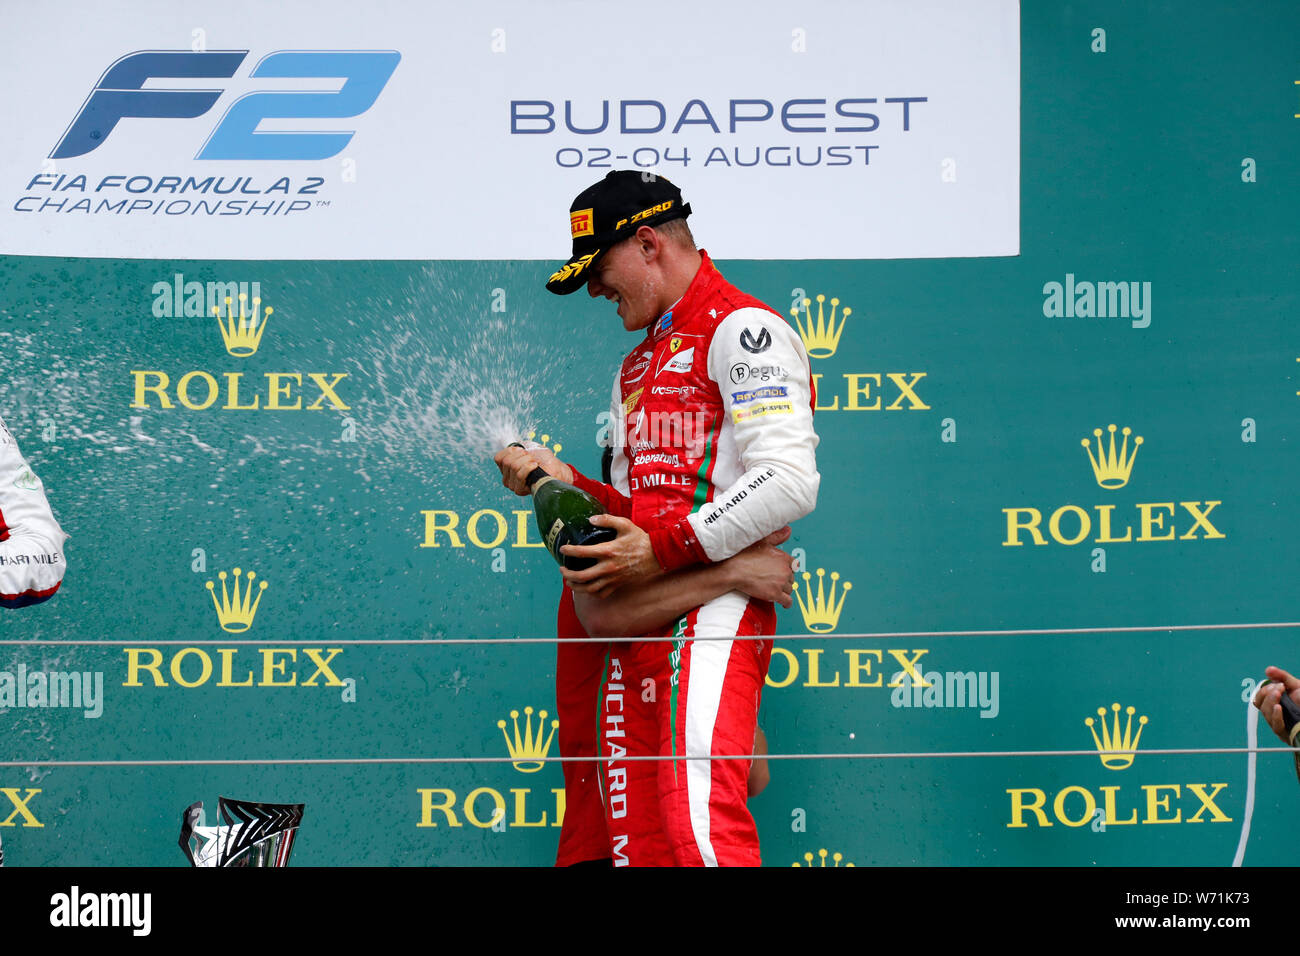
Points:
(1112, 470)
(234, 611)
(528, 748)
(836, 859)
(1114, 740)
(821, 612)
(242, 333)
(820, 336)
(545, 441)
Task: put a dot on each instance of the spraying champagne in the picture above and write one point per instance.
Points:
(564, 516)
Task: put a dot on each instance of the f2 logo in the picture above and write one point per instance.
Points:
(120, 94)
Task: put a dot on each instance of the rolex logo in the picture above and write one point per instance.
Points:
(242, 333)
(820, 336)
(1116, 734)
(545, 441)
(234, 611)
(1112, 469)
(1112, 465)
(528, 748)
(1113, 741)
(836, 859)
(821, 612)
(199, 389)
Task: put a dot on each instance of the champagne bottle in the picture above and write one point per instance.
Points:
(564, 516)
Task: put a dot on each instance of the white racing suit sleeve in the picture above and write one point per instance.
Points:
(32, 562)
(762, 371)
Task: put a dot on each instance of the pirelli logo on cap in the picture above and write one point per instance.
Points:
(644, 214)
(580, 223)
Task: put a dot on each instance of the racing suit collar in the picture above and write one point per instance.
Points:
(684, 308)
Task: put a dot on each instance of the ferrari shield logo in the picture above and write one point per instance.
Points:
(674, 343)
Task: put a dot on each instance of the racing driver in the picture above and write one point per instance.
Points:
(31, 542)
(712, 422)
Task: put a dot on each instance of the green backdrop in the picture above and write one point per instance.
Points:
(1168, 159)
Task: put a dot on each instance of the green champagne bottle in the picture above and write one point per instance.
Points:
(564, 516)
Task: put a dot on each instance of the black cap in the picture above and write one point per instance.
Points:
(609, 212)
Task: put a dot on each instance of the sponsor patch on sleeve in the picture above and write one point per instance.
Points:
(757, 394)
(760, 409)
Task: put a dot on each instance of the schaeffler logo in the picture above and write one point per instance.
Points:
(1112, 465)
(821, 611)
(241, 329)
(486, 807)
(837, 859)
(1116, 735)
(235, 612)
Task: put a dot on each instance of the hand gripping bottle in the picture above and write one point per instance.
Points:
(564, 516)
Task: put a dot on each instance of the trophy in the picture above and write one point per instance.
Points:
(247, 834)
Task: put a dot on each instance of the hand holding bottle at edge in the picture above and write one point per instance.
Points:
(1269, 701)
(517, 464)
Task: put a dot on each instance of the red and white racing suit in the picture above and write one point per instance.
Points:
(31, 541)
(578, 673)
(713, 412)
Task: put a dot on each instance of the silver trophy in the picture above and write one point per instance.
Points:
(247, 834)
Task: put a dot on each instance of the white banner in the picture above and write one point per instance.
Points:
(338, 130)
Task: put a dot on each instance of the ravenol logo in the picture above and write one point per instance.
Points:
(120, 94)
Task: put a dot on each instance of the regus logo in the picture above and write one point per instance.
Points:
(120, 94)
